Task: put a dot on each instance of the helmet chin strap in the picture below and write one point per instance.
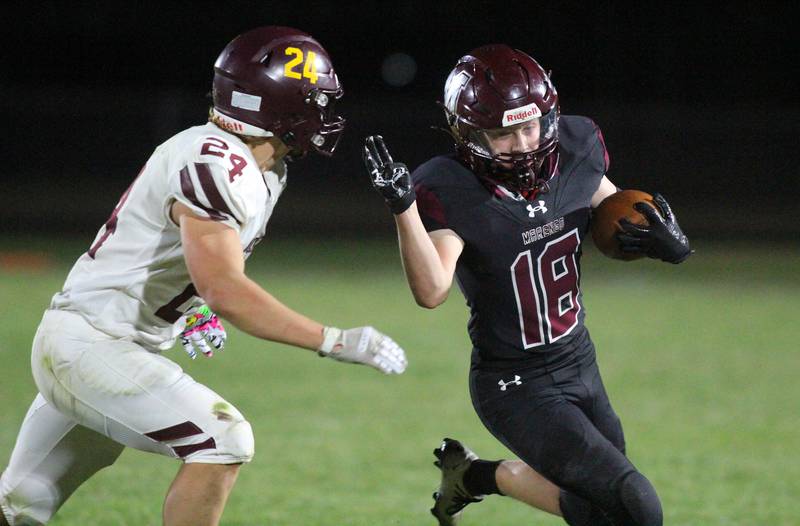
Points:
(523, 178)
(542, 186)
(526, 176)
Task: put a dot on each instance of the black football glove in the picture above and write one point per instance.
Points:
(661, 239)
(392, 180)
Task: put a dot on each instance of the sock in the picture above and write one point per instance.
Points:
(479, 479)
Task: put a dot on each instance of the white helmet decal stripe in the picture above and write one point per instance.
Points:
(236, 126)
(245, 101)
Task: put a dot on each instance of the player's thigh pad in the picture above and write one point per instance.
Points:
(597, 406)
(551, 434)
(138, 398)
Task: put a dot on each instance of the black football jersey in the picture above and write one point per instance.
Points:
(520, 268)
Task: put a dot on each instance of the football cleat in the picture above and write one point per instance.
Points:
(453, 458)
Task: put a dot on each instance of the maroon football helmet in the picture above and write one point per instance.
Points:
(278, 81)
(491, 90)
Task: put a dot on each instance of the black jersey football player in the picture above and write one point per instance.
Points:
(507, 214)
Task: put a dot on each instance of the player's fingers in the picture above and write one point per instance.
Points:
(630, 241)
(402, 360)
(649, 211)
(215, 341)
(399, 367)
(663, 205)
(188, 347)
(371, 147)
(383, 151)
(217, 338)
(631, 249)
(375, 361)
(371, 164)
(199, 340)
(370, 141)
(384, 366)
(393, 365)
(388, 366)
(394, 356)
(372, 155)
(632, 229)
(387, 345)
(369, 156)
(384, 351)
(398, 354)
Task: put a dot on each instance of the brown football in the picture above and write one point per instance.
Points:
(605, 221)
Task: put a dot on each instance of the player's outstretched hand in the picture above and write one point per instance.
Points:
(392, 180)
(364, 345)
(662, 239)
(202, 331)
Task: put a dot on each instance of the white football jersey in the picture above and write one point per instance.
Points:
(133, 282)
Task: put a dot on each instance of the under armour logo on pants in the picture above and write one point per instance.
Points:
(504, 385)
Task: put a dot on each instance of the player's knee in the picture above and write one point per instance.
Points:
(236, 443)
(239, 441)
(634, 503)
(640, 500)
(580, 512)
(233, 444)
(5, 512)
(32, 503)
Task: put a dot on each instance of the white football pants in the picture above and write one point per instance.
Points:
(98, 394)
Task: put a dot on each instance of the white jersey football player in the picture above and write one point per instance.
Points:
(175, 246)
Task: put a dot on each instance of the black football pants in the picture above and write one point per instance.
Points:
(556, 417)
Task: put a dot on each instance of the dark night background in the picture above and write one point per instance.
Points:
(697, 100)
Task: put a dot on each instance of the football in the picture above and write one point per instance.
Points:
(605, 221)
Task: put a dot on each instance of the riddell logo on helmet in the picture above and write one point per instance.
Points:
(228, 125)
(234, 125)
(522, 114)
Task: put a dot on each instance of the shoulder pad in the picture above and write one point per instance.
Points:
(220, 180)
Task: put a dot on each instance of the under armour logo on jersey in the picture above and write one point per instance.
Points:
(533, 209)
(504, 385)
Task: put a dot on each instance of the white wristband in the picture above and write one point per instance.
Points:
(330, 336)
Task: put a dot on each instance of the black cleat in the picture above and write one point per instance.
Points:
(453, 458)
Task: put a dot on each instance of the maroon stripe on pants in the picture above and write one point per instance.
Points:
(186, 429)
(185, 451)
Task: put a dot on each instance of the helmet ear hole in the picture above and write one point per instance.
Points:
(288, 139)
(449, 116)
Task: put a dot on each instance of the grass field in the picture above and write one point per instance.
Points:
(701, 362)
